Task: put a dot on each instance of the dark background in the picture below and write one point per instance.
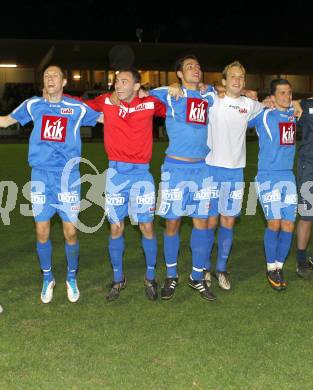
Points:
(273, 24)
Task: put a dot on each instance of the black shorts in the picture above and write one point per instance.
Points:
(305, 190)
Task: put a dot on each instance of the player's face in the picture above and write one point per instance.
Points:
(53, 80)
(235, 81)
(282, 97)
(125, 86)
(191, 73)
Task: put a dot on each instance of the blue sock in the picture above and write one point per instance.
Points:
(284, 244)
(45, 258)
(210, 243)
(72, 253)
(171, 248)
(198, 245)
(270, 245)
(116, 249)
(150, 248)
(225, 241)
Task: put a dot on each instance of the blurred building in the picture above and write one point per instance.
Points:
(91, 65)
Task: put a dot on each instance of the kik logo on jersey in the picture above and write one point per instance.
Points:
(197, 110)
(53, 128)
(287, 133)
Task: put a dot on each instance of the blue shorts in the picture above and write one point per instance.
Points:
(184, 189)
(226, 191)
(53, 192)
(129, 191)
(277, 194)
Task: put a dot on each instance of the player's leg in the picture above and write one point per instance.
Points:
(72, 255)
(224, 243)
(170, 208)
(44, 251)
(116, 207)
(304, 183)
(198, 245)
(149, 245)
(42, 198)
(229, 207)
(67, 196)
(284, 244)
(304, 265)
(271, 240)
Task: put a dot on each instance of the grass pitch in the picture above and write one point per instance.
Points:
(250, 338)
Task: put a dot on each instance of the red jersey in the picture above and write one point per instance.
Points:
(128, 127)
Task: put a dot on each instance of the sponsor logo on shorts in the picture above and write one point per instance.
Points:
(273, 196)
(145, 199)
(291, 199)
(174, 194)
(114, 200)
(68, 197)
(75, 208)
(38, 198)
(287, 133)
(53, 128)
(67, 111)
(197, 111)
(204, 194)
(236, 194)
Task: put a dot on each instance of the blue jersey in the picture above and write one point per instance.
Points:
(186, 121)
(55, 138)
(277, 136)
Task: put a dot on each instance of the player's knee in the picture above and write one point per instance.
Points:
(70, 233)
(287, 226)
(227, 222)
(42, 232)
(147, 229)
(117, 229)
(172, 227)
(274, 224)
(199, 223)
(212, 222)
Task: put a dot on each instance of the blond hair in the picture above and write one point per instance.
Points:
(232, 65)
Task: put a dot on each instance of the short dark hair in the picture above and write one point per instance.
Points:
(180, 62)
(275, 82)
(56, 66)
(134, 72)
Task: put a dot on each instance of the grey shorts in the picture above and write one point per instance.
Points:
(305, 190)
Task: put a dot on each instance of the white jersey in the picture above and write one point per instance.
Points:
(228, 120)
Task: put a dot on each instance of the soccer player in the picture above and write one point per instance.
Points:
(304, 183)
(183, 192)
(54, 141)
(130, 187)
(228, 122)
(275, 180)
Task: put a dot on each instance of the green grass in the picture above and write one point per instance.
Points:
(249, 338)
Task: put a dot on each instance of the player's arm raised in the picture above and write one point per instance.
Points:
(7, 120)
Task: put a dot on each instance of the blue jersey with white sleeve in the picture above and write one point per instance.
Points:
(55, 138)
(277, 137)
(186, 121)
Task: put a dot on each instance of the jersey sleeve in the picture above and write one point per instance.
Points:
(209, 94)
(160, 93)
(97, 103)
(159, 107)
(22, 113)
(255, 122)
(256, 108)
(91, 116)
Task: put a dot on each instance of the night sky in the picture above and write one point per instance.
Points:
(275, 24)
